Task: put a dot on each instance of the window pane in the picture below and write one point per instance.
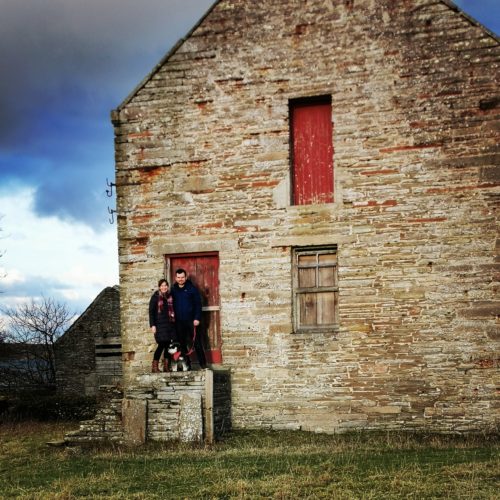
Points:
(326, 308)
(327, 276)
(327, 258)
(308, 310)
(307, 260)
(307, 278)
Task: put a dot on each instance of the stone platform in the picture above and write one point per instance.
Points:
(190, 406)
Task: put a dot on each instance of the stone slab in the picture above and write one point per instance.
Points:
(190, 418)
(134, 413)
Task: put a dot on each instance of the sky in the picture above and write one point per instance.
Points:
(65, 64)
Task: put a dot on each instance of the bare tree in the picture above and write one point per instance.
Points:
(2, 331)
(31, 331)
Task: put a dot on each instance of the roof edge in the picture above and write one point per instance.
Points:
(163, 60)
(469, 18)
(82, 316)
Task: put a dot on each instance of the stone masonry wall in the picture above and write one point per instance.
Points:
(221, 403)
(203, 164)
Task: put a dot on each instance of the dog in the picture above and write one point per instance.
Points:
(176, 358)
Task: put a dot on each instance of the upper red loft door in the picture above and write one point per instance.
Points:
(312, 150)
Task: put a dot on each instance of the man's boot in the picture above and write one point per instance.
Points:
(154, 367)
(165, 365)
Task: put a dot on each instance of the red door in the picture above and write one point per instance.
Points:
(203, 270)
(312, 151)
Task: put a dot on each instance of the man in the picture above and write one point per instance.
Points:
(187, 307)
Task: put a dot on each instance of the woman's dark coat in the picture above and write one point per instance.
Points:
(165, 329)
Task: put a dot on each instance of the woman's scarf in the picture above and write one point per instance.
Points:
(170, 306)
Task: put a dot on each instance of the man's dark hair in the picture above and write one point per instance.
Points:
(181, 271)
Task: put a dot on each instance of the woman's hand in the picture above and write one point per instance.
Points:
(153, 329)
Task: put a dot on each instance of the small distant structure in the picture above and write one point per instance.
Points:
(88, 355)
(23, 367)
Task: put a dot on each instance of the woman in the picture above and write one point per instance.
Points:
(162, 323)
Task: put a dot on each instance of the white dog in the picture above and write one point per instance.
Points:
(176, 357)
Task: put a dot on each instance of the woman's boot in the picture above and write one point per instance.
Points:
(154, 367)
(165, 365)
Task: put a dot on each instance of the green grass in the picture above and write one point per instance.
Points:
(253, 464)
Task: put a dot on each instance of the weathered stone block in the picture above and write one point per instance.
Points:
(190, 418)
(134, 414)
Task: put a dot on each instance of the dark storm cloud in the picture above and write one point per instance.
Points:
(65, 64)
(78, 53)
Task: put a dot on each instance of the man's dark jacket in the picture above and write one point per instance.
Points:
(187, 302)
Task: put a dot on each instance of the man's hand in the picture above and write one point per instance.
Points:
(196, 322)
(153, 329)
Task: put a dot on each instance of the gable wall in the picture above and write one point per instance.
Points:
(202, 158)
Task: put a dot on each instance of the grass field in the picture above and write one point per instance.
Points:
(253, 464)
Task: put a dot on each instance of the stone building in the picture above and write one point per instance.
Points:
(327, 172)
(88, 355)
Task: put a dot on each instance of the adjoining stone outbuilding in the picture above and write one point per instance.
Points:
(88, 355)
(328, 173)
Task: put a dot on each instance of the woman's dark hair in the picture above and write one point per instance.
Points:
(163, 280)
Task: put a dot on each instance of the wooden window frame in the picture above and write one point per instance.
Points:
(313, 291)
